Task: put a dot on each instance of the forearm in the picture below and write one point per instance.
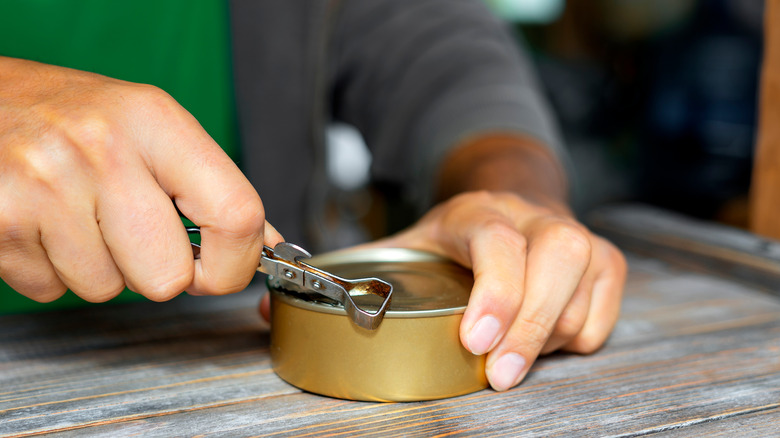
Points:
(505, 162)
(440, 81)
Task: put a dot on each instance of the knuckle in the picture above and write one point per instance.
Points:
(90, 140)
(224, 286)
(14, 233)
(500, 229)
(45, 294)
(536, 330)
(616, 263)
(163, 289)
(242, 214)
(38, 287)
(100, 293)
(47, 164)
(150, 93)
(92, 132)
(570, 323)
(571, 236)
(38, 163)
(618, 260)
(585, 344)
(152, 98)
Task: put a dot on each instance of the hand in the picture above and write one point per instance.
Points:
(543, 282)
(88, 168)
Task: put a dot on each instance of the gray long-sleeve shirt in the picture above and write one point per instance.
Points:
(415, 77)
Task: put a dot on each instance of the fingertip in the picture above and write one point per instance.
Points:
(585, 344)
(220, 284)
(231, 246)
(482, 336)
(605, 304)
(165, 282)
(270, 235)
(598, 326)
(107, 293)
(44, 295)
(507, 371)
(36, 280)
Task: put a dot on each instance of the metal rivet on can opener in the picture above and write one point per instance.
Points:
(289, 274)
(316, 284)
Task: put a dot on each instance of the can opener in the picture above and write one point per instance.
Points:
(284, 262)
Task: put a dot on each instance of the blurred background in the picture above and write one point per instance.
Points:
(657, 100)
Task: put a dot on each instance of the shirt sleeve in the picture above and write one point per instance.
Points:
(418, 78)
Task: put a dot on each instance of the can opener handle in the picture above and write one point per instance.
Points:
(284, 262)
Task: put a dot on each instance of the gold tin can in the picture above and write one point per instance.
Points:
(414, 354)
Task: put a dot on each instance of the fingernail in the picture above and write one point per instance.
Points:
(483, 335)
(505, 372)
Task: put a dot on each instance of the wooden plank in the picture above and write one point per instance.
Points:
(618, 400)
(690, 351)
(704, 246)
(754, 424)
(74, 368)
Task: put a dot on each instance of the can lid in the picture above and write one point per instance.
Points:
(424, 284)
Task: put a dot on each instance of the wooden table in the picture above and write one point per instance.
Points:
(696, 353)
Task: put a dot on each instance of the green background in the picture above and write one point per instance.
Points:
(181, 46)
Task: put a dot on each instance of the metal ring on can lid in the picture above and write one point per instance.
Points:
(415, 354)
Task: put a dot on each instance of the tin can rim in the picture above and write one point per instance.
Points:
(371, 255)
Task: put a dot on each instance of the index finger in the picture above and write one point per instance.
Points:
(498, 255)
(210, 190)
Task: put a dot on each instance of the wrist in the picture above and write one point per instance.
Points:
(505, 163)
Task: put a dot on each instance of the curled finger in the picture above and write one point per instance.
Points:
(558, 256)
(498, 254)
(604, 307)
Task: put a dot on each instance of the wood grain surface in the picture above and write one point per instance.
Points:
(693, 355)
(695, 244)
